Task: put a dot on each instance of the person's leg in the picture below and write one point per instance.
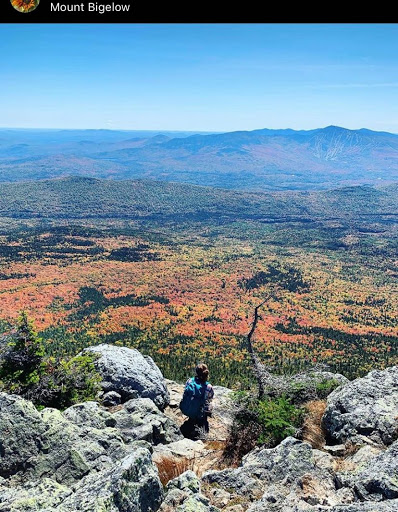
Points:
(195, 429)
(188, 429)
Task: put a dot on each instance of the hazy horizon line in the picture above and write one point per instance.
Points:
(204, 132)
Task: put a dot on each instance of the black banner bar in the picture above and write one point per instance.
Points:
(139, 11)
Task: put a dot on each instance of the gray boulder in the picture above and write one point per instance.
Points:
(185, 449)
(219, 497)
(187, 481)
(90, 414)
(223, 409)
(366, 407)
(141, 419)
(43, 496)
(377, 479)
(306, 494)
(384, 506)
(183, 494)
(271, 474)
(262, 467)
(71, 462)
(130, 374)
(197, 503)
(111, 399)
(129, 485)
(137, 419)
(360, 458)
(68, 452)
(21, 432)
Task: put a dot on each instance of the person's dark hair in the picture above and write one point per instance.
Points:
(202, 372)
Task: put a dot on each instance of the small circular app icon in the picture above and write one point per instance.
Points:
(25, 5)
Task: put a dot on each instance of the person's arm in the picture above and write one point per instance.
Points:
(210, 391)
(209, 398)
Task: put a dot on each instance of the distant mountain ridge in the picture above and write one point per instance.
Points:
(260, 160)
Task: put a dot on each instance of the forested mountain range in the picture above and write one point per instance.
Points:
(250, 160)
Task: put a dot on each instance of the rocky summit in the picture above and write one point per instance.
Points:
(125, 453)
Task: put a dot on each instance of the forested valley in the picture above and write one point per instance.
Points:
(176, 270)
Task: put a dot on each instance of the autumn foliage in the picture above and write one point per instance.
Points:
(183, 287)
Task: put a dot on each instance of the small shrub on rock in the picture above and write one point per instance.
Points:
(325, 387)
(261, 422)
(68, 382)
(278, 419)
(47, 382)
(22, 358)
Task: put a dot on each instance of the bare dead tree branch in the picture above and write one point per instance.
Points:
(269, 384)
(258, 367)
(276, 385)
(254, 325)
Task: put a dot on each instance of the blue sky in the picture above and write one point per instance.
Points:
(199, 77)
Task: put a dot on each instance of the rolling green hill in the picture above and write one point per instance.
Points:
(78, 197)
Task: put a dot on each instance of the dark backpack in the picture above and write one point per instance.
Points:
(193, 400)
